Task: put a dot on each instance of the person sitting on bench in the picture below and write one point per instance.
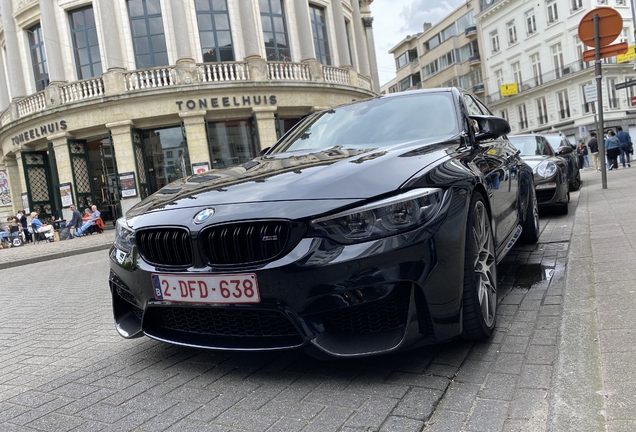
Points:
(90, 222)
(45, 229)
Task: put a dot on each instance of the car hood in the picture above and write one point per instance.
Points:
(534, 161)
(337, 173)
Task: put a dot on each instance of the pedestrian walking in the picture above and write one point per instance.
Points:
(612, 150)
(592, 145)
(625, 146)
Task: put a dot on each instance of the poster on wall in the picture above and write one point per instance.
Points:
(66, 193)
(200, 167)
(25, 203)
(127, 185)
(5, 194)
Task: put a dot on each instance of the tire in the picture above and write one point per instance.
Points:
(576, 184)
(480, 274)
(531, 229)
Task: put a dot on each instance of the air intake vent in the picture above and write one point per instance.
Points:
(244, 243)
(165, 246)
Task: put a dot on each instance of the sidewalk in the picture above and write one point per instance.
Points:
(33, 253)
(595, 375)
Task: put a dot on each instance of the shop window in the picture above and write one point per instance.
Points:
(38, 57)
(88, 61)
(159, 147)
(275, 30)
(231, 143)
(146, 26)
(214, 30)
(319, 30)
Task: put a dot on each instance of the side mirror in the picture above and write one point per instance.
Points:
(488, 127)
(564, 150)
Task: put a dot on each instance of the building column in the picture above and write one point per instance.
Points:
(196, 137)
(125, 157)
(16, 75)
(344, 59)
(18, 158)
(304, 30)
(15, 191)
(368, 27)
(182, 35)
(64, 168)
(4, 92)
(111, 46)
(54, 61)
(266, 124)
(361, 46)
(249, 29)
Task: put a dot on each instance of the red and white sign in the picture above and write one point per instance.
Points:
(207, 289)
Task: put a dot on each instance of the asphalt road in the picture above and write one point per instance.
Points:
(63, 367)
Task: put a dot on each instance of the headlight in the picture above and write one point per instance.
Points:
(124, 236)
(380, 219)
(546, 169)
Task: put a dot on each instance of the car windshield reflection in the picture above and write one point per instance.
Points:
(376, 123)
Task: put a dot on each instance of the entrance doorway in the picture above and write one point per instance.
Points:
(166, 156)
(103, 172)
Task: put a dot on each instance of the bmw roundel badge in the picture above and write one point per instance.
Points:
(203, 215)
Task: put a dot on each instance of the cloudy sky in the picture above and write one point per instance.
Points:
(395, 19)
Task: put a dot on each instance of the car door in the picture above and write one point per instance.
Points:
(500, 158)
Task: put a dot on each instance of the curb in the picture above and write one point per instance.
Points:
(53, 256)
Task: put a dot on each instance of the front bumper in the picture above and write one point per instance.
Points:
(353, 300)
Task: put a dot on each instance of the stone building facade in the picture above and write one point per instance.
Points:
(106, 101)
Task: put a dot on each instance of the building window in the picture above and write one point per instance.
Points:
(275, 30)
(542, 111)
(319, 29)
(523, 116)
(621, 2)
(535, 60)
(88, 61)
(516, 73)
(38, 57)
(512, 33)
(349, 43)
(624, 37)
(611, 93)
(494, 42)
(231, 142)
(587, 107)
(553, 13)
(149, 40)
(564, 104)
(504, 114)
(402, 60)
(499, 79)
(214, 30)
(630, 91)
(531, 22)
(557, 59)
(576, 4)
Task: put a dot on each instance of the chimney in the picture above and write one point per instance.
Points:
(427, 26)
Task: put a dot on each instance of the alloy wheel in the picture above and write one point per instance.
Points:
(485, 263)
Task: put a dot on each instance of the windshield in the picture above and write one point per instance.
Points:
(377, 123)
(530, 146)
(557, 141)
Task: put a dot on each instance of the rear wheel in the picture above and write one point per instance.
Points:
(531, 230)
(480, 274)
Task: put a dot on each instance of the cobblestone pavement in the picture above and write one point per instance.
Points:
(63, 367)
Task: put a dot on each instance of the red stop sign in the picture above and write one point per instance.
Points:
(633, 100)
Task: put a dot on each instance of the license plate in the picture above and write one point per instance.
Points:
(212, 289)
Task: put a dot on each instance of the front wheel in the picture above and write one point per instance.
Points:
(480, 274)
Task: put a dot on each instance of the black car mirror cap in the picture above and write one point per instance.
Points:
(490, 127)
(565, 150)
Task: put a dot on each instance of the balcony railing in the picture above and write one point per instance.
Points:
(223, 72)
(81, 90)
(547, 77)
(31, 104)
(154, 78)
(564, 114)
(471, 31)
(335, 75)
(523, 124)
(542, 119)
(279, 71)
(474, 59)
(478, 88)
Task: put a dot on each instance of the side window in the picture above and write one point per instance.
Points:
(547, 150)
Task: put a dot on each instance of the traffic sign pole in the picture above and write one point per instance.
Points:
(599, 92)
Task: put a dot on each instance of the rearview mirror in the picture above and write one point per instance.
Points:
(488, 127)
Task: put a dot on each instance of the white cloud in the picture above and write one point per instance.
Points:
(394, 20)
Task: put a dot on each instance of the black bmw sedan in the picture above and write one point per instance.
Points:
(366, 229)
